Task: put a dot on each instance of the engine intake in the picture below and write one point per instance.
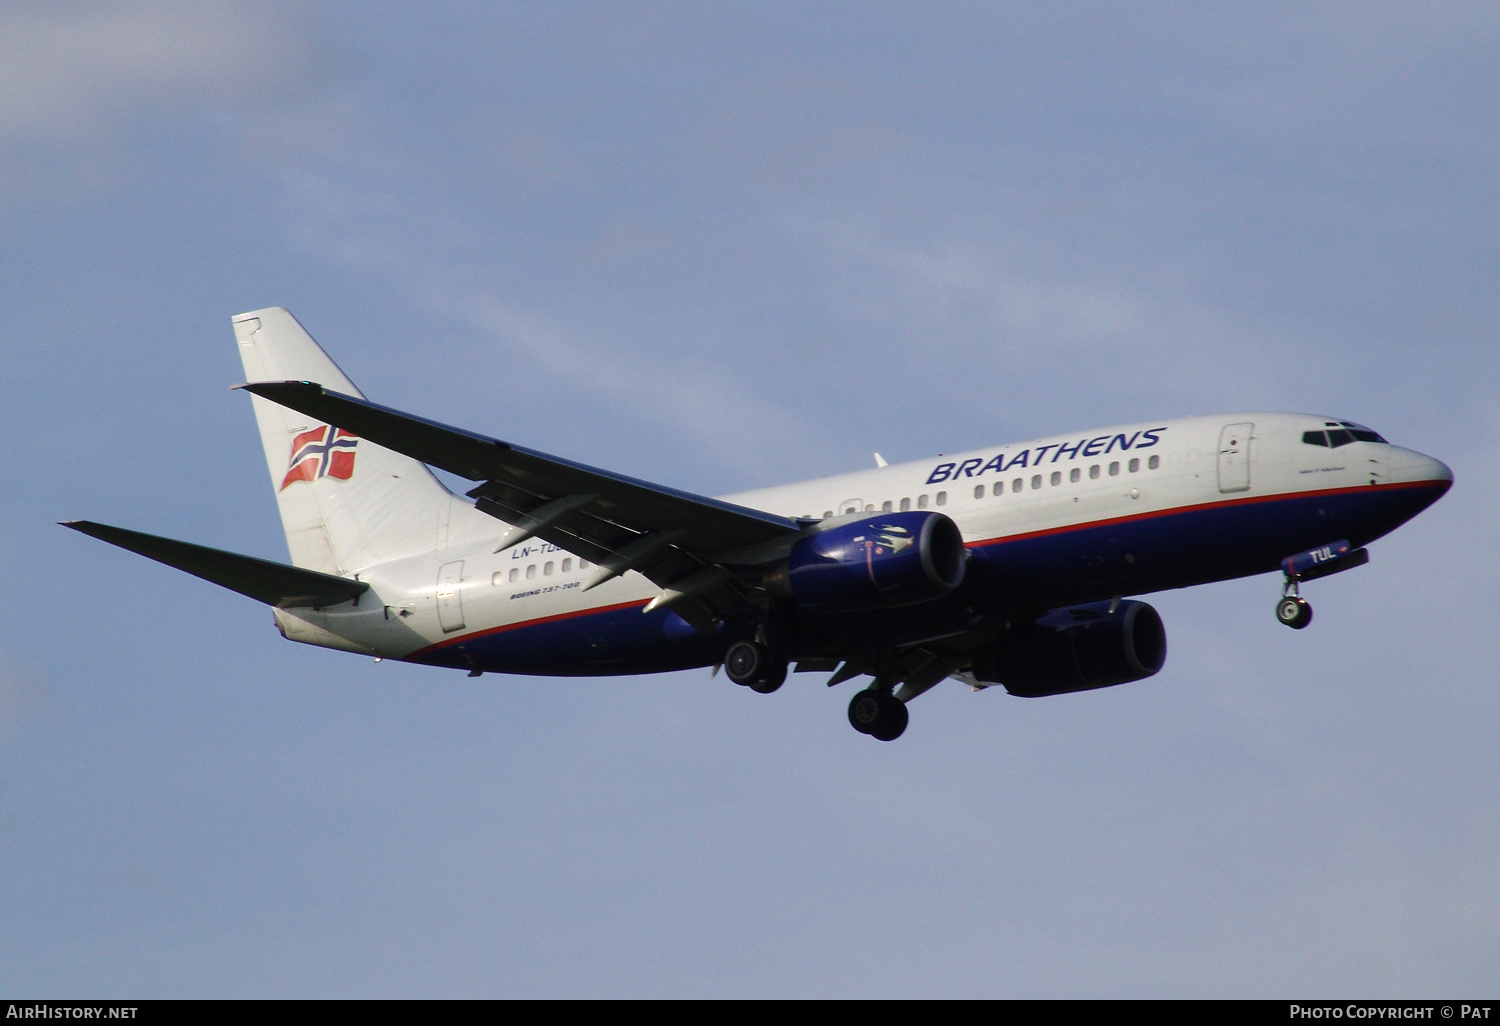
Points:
(891, 559)
(1077, 648)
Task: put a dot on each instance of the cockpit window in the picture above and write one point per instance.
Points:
(1341, 432)
(1363, 434)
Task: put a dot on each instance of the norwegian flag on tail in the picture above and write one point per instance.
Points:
(322, 452)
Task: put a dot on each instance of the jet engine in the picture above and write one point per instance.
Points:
(891, 559)
(1077, 648)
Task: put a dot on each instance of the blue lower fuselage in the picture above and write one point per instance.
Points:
(1126, 555)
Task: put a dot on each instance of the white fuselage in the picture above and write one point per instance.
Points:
(466, 589)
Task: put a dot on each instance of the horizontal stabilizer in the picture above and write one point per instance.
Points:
(261, 579)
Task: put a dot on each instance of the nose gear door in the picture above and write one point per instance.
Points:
(1234, 457)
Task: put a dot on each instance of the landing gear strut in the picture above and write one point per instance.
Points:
(754, 665)
(877, 712)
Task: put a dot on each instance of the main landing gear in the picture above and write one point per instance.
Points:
(755, 665)
(877, 712)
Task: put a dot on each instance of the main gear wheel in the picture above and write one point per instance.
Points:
(878, 713)
(754, 665)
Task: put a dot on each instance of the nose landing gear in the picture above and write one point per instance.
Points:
(1323, 561)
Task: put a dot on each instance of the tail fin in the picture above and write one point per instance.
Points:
(345, 503)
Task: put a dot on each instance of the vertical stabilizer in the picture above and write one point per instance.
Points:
(345, 502)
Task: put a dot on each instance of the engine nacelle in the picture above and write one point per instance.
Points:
(890, 559)
(1076, 648)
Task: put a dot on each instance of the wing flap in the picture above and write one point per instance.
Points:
(275, 584)
(666, 535)
(524, 479)
(611, 519)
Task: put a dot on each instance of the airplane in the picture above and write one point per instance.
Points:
(1014, 565)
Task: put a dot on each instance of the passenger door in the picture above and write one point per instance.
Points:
(1234, 457)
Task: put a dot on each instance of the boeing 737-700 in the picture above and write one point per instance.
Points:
(1013, 565)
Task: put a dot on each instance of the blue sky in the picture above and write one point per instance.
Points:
(721, 246)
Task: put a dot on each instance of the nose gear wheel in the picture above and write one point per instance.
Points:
(1294, 611)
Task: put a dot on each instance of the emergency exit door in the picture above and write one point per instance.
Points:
(450, 599)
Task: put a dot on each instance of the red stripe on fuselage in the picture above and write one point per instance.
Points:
(571, 615)
(1220, 504)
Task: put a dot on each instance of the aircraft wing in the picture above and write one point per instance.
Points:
(676, 539)
(265, 581)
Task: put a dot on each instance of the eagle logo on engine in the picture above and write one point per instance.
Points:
(893, 538)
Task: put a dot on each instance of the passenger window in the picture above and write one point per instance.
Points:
(905, 504)
(1339, 437)
(942, 498)
(997, 488)
(1056, 477)
(583, 564)
(1074, 475)
(531, 571)
(1036, 481)
(515, 574)
(979, 491)
(921, 502)
(1114, 469)
(1153, 463)
(885, 507)
(497, 578)
(1135, 465)
(567, 566)
(870, 508)
(1094, 472)
(827, 513)
(547, 570)
(1017, 485)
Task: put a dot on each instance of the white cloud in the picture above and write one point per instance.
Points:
(1365, 74)
(701, 407)
(66, 70)
(418, 245)
(1113, 331)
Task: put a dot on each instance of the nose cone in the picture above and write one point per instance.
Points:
(1409, 467)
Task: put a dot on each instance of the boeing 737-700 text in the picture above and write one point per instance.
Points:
(1010, 565)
